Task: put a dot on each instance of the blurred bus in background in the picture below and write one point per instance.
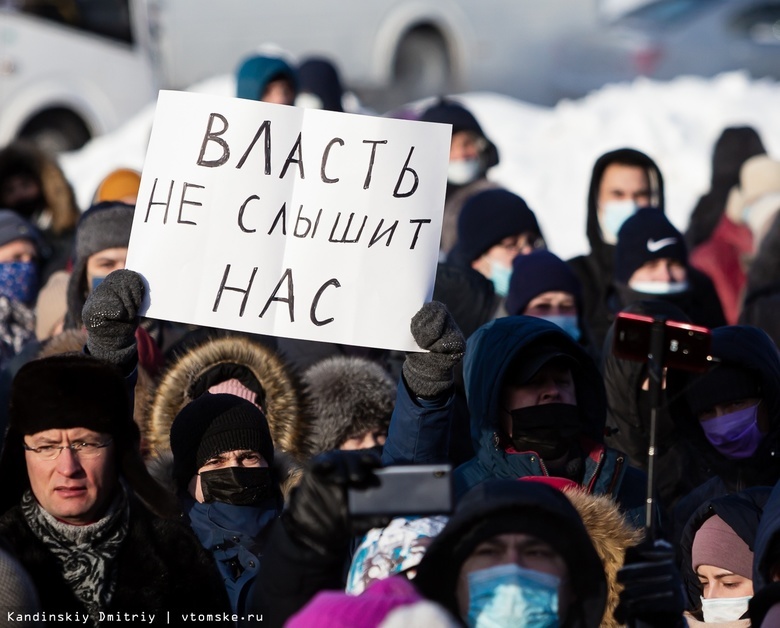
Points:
(73, 69)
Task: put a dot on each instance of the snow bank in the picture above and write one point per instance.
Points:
(547, 153)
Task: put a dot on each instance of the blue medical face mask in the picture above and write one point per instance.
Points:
(567, 322)
(736, 434)
(613, 215)
(19, 281)
(500, 276)
(509, 595)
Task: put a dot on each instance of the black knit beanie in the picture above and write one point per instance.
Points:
(487, 218)
(213, 424)
(646, 236)
(537, 273)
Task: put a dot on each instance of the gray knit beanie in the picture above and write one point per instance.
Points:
(103, 226)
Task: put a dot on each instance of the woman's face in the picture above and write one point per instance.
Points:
(718, 582)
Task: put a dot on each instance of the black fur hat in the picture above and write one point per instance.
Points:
(71, 390)
(74, 390)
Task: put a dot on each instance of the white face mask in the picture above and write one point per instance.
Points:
(613, 215)
(659, 287)
(722, 609)
(307, 100)
(463, 171)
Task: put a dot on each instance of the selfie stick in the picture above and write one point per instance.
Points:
(655, 369)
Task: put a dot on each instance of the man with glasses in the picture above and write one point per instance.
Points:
(73, 481)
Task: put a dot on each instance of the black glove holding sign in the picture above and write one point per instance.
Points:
(111, 318)
(433, 328)
(652, 588)
(318, 512)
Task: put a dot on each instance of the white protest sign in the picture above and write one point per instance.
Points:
(289, 222)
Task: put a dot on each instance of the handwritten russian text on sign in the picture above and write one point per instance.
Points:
(290, 222)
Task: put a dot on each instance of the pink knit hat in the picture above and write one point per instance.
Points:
(234, 387)
(717, 544)
(336, 609)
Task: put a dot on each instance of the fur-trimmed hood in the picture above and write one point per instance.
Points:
(611, 535)
(61, 212)
(179, 385)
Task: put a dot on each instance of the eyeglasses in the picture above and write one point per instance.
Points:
(82, 449)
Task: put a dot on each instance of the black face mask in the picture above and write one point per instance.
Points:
(549, 429)
(240, 486)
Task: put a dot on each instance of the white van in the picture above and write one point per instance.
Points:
(71, 69)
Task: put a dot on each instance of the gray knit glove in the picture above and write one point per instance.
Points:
(111, 318)
(430, 374)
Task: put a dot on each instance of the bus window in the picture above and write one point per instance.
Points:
(108, 18)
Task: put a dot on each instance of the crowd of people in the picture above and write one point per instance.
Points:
(156, 470)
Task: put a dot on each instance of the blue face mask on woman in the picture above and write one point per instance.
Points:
(19, 281)
(508, 595)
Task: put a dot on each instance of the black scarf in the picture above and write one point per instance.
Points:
(87, 553)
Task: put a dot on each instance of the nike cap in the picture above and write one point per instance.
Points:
(646, 236)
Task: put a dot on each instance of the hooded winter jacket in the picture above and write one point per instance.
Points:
(220, 359)
(749, 348)
(489, 353)
(595, 270)
(534, 509)
(741, 512)
(734, 146)
(57, 214)
(611, 535)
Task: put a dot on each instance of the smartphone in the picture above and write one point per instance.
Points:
(687, 346)
(405, 490)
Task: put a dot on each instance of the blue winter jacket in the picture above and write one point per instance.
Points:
(235, 536)
(419, 429)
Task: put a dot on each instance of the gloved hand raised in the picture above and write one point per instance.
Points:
(652, 588)
(318, 513)
(111, 318)
(433, 328)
